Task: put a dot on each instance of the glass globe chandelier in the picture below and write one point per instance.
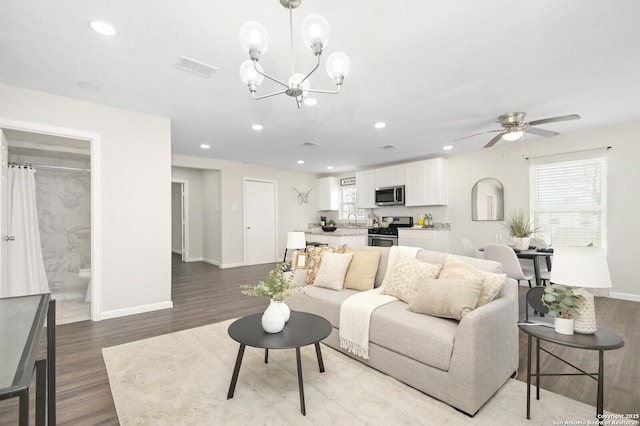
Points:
(315, 35)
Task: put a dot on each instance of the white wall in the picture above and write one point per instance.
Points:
(176, 217)
(131, 161)
(291, 216)
(507, 163)
(211, 223)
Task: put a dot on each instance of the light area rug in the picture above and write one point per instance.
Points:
(182, 378)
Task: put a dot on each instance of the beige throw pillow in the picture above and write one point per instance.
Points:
(459, 269)
(447, 298)
(315, 257)
(333, 270)
(362, 271)
(406, 275)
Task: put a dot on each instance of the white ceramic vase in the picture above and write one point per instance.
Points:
(284, 308)
(273, 318)
(564, 325)
(521, 243)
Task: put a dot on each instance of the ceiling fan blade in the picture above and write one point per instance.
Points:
(495, 140)
(541, 132)
(554, 119)
(476, 134)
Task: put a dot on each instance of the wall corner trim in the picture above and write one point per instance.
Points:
(141, 309)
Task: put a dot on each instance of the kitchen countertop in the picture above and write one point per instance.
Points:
(426, 228)
(340, 232)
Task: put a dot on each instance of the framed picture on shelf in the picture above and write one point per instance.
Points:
(301, 260)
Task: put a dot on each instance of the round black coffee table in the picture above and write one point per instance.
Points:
(302, 329)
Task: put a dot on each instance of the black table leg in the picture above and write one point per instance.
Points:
(23, 416)
(319, 355)
(536, 268)
(303, 410)
(266, 356)
(41, 391)
(236, 371)
(599, 407)
(51, 363)
(537, 368)
(528, 376)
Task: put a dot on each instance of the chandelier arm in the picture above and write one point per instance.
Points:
(310, 72)
(330, 92)
(268, 95)
(268, 76)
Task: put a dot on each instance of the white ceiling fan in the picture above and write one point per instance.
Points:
(514, 127)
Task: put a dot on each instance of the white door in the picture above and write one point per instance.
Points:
(260, 222)
(4, 216)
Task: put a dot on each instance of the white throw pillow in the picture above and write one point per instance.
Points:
(406, 275)
(332, 271)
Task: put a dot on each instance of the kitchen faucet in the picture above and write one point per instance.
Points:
(355, 215)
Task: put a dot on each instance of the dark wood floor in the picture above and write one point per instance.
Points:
(204, 294)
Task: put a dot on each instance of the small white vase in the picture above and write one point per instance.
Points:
(564, 326)
(273, 319)
(284, 308)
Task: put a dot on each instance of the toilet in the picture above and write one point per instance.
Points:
(86, 274)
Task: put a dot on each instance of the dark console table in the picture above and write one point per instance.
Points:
(22, 321)
(602, 340)
(303, 329)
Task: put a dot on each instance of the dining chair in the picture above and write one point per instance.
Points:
(507, 257)
(527, 265)
(468, 248)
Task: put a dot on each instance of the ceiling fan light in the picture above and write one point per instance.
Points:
(254, 39)
(338, 66)
(249, 75)
(315, 33)
(513, 136)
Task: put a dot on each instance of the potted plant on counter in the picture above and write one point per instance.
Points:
(564, 305)
(520, 228)
(277, 288)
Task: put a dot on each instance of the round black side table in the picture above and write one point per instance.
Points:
(302, 329)
(602, 340)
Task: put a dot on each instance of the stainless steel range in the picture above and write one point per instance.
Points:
(387, 237)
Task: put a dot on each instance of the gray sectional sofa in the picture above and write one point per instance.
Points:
(462, 363)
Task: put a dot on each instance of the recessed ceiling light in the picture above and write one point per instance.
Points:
(380, 125)
(330, 167)
(102, 28)
(257, 127)
(300, 161)
(205, 146)
(447, 147)
(310, 101)
(88, 86)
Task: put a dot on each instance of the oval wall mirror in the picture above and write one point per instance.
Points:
(487, 200)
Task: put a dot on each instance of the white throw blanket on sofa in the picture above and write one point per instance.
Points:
(355, 311)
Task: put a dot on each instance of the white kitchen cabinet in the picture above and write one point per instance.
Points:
(328, 194)
(437, 240)
(334, 240)
(427, 183)
(366, 189)
(390, 176)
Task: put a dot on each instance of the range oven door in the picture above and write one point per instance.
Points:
(383, 240)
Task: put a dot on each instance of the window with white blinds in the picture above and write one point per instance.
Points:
(568, 198)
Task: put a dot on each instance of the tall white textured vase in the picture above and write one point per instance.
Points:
(273, 318)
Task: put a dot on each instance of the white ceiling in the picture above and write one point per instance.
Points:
(434, 71)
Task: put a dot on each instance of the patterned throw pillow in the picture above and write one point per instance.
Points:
(362, 272)
(333, 270)
(315, 256)
(459, 269)
(406, 275)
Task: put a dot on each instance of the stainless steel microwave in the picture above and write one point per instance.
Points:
(392, 195)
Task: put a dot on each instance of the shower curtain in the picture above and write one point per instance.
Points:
(26, 267)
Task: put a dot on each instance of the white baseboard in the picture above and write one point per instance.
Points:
(116, 313)
(194, 259)
(211, 261)
(176, 251)
(624, 296)
(231, 265)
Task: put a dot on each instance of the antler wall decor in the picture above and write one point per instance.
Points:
(303, 197)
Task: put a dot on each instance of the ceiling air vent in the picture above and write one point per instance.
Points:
(196, 67)
(388, 146)
(310, 144)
